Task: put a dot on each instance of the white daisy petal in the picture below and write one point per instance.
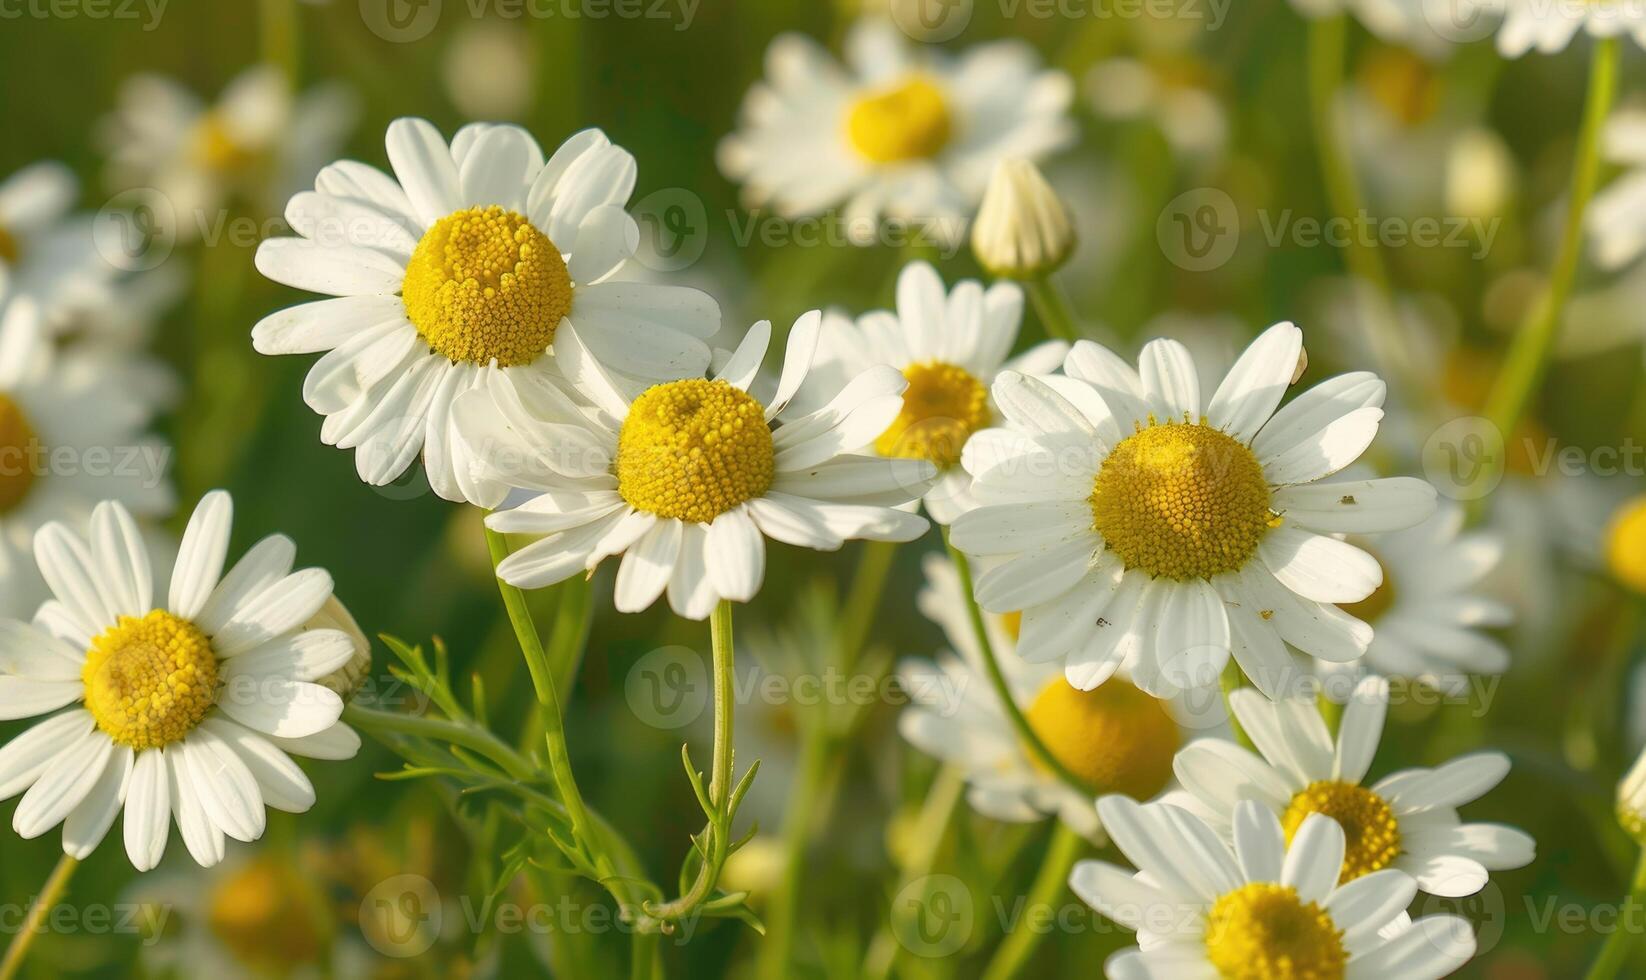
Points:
(122, 560)
(200, 557)
(147, 810)
(423, 164)
(645, 570)
(87, 825)
(1357, 506)
(1170, 380)
(1314, 859)
(279, 608)
(1318, 567)
(1432, 948)
(1254, 386)
(736, 556)
(202, 837)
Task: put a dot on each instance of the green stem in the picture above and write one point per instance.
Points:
(1529, 352)
(931, 828)
(717, 836)
(1015, 950)
(997, 678)
(643, 955)
(1328, 44)
(1623, 941)
(1230, 682)
(468, 737)
(34, 923)
(278, 28)
(808, 800)
(548, 699)
(1052, 305)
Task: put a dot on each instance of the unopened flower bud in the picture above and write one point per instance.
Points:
(1023, 230)
(345, 680)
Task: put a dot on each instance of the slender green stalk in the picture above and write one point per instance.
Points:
(548, 699)
(997, 678)
(469, 737)
(931, 828)
(278, 28)
(643, 955)
(1230, 682)
(1529, 352)
(34, 922)
(819, 748)
(716, 841)
(1623, 941)
(1052, 305)
(1328, 43)
(1049, 883)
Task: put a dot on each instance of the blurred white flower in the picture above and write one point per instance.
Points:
(47, 253)
(903, 132)
(488, 70)
(1550, 25)
(188, 159)
(1174, 91)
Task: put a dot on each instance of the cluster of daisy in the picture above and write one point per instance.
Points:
(1141, 533)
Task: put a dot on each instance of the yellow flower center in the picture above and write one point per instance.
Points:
(149, 681)
(485, 285)
(19, 445)
(1181, 500)
(1114, 737)
(1625, 542)
(215, 148)
(906, 121)
(9, 249)
(1263, 931)
(1371, 834)
(942, 406)
(693, 450)
(263, 913)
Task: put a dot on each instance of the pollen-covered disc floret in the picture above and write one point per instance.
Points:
(1264, 931)
(9, 250)
(485, 285)
(694, 449)
(942, 407)
(1114, 737)
(150, 681)
(18, 444)
(907, 121)
(215, 148)
(1182, 501)
(1371, 833)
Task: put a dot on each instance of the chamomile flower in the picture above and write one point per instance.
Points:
(901, 132)
(185, 710)
(1407, 820)
(47, 253)
(1270, 906)
(688, 478)
(258, 142)
(950, 346)
(1138, 522)
(1116, 738)
(72, 433)
(1429, 615)
(1550, 25)
(466, 270)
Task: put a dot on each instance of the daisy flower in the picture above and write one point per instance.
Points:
(47, 253)
(1407, 820)
(1270, 906)
(903, 132)
(950, 346)
(1137, 521)
(687, 479)
(258, 141)
(465, 271)
(1429, 614)
(1116, 738)
(72, 433)
(186, 710)
(1550, 25)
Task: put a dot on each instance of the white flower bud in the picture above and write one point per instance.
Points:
(345, 680)
(1631, 800)
(1023, 230)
